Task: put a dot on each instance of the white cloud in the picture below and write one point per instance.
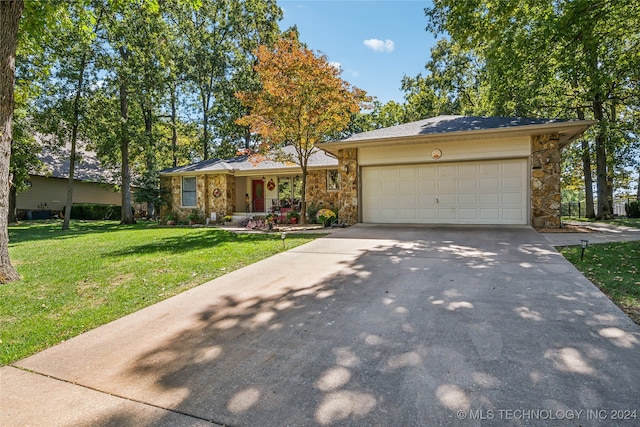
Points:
(336, 65)
(379, 45)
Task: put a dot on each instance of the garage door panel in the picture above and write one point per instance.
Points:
(468, 199)
(513, 216)
(511, 199)
(408, 200)
(389, 187)
(467, 214)
(408, 187)
(389, 214)
(512, 183)
(447, 214)
(447, 186)
(426, 200)
(388, 201)
(408, 214)
(489, 199)
(426, 187)
(468, 185)
(490, 169)
(427, 214)
(482, 192)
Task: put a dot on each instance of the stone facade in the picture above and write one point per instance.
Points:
(208, 200)
(317, 193)
(545, 181)
(348, 194)
(221, 193)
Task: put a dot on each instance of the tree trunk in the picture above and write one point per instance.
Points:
(303, 196)
(174, 131)
(126, 213)
(74, 141)
(12, 216)
(205, 124)
(10, 13)
(586, 170)
(147, 113)
(638, 190)
(604, 208)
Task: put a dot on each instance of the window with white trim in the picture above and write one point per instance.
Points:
(189, 191)
(333, 180)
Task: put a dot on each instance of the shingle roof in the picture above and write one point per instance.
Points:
(248, 163)
(56, 162)
(447, 124)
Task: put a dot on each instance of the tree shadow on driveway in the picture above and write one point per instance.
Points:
(393, 328)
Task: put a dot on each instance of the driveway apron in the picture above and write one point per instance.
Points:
(372, 325)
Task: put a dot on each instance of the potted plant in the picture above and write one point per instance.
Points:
(326, 216)
(293, 217)
(171, 219)
(193, 217)
(228, 218)
(269, 218)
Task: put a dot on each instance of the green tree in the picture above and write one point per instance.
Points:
(302, 101)
(218, 40)
(553, 58)
(62, 103)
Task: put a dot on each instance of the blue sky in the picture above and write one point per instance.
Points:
(376, 43)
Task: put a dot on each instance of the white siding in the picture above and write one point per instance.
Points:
(451, 151)
(53, 192)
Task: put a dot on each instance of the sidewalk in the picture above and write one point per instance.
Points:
(600, 233)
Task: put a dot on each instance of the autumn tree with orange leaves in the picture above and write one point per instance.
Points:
(302, 101)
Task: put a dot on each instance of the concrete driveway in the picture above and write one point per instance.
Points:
(373, 325)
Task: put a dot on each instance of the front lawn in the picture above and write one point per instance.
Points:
(613, 267)
(76, 280)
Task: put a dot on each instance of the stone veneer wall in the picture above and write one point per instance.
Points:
(545, 181)
(225, 203)
(205, 200)
(348, 194)
(317, 193)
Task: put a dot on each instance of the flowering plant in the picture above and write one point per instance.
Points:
(325, 215)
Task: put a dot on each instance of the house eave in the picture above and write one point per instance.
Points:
(568, 131)
(249, 173)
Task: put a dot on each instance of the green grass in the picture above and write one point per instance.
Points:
(76, 280)
(613, 267)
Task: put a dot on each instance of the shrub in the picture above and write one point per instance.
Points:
(312, 211)
(93, 211)
(325, 216)
(632, 209)
(195, 216)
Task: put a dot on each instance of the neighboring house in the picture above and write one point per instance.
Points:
(47, 192)
(442, 170)
(249, 184)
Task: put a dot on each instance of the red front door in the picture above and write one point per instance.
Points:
(257, 190)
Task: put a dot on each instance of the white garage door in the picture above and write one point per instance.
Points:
(483, 192)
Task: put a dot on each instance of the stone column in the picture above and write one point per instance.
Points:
(222, 194)
(545, 181)
(348, 194)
